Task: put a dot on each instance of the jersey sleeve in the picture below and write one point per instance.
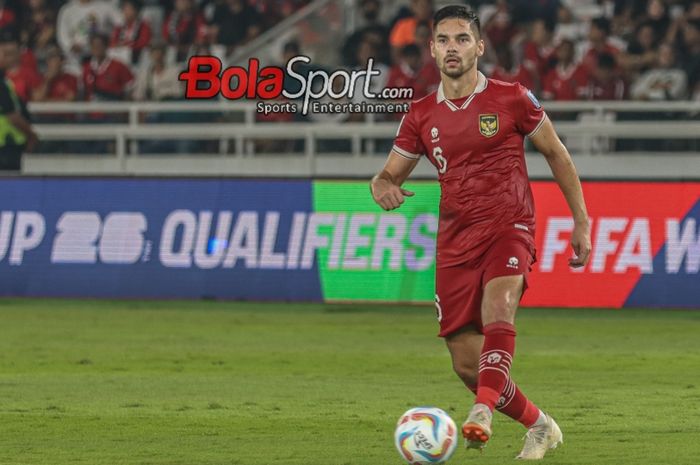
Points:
(529, 112)
(407, 142)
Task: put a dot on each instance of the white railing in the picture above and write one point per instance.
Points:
(589, 135)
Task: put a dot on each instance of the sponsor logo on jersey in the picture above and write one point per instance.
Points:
(488, 125)
(435, 135)
(513, 262)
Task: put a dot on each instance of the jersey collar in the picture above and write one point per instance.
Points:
(481, 83)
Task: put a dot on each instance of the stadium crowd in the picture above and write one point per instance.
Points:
(94, 49)
(562, 49)
(90, 49)
(107, 50)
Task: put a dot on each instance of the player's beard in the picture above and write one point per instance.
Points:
(464, 67)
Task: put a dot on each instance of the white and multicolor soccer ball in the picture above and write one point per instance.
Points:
(425, 435)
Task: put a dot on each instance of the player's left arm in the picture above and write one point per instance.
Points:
(547, 142)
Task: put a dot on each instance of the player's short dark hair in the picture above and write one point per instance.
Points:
(460, 12)
(602, 23)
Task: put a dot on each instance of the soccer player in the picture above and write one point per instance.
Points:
(472, 129)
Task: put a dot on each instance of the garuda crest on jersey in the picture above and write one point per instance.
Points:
(488, 125)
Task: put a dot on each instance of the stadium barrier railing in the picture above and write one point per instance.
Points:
(617, 139)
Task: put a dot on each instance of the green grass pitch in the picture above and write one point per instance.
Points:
(200, 383)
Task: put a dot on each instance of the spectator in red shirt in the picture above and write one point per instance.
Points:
(57, 85)
(567, 79)
(8, 16)
(412, 72)
(39, 32)
(539, 50)
(605, 82)
(499, 29)
(184, 27)
(508, 71)
(429, 75)
(599, 43)
(105, 78)
(134, 33)
(22, 71)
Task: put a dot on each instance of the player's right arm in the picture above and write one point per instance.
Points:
(386, 185)
(408, 149)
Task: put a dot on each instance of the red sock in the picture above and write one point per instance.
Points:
(495, 361)
(514, 404)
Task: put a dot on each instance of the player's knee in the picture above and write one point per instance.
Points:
(467, 372)
(500, 308)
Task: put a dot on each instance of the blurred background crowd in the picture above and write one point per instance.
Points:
(562, 49)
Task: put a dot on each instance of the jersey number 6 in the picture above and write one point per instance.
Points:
(438, 308)
(442, 163)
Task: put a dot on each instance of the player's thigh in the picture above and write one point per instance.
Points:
(458, 295)
(501, 298)
(506, 267)
(465, 349)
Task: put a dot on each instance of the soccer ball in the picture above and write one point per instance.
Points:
(425, 435)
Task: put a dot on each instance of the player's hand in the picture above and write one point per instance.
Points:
(581, 243)
(388, 195)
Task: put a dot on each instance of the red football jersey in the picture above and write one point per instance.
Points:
(109, 80)
(565, 83)
(477, 148)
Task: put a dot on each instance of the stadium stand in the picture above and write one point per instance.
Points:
(564, 50)
(637, 35)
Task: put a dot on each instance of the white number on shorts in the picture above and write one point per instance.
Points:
(438, 308)
(442, 162)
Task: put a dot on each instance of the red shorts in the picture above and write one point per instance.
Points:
(459, 289)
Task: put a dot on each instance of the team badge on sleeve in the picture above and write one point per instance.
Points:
(488, 125)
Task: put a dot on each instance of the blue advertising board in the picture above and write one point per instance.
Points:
(156, 238)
